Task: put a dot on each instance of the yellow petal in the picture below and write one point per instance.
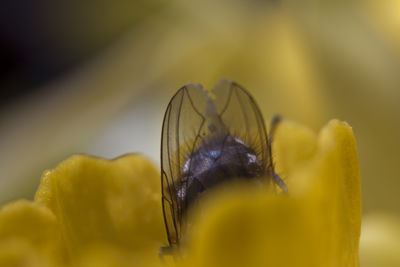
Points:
(317, 224)
(336, 193)
(20, 253)
(115, 202)
(380, 241)
(293, 146)
(251, 228)
(109, 256)
(29, 233)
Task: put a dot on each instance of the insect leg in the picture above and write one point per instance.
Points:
(274, 124)
(280, 182)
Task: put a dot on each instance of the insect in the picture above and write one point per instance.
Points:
(208, 138)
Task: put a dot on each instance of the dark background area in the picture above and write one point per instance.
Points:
(41, 40)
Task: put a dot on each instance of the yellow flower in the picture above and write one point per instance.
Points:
(318, 224)
(95, 212)
(104, 205)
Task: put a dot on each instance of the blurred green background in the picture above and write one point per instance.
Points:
(95, 77)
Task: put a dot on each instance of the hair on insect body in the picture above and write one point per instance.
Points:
(208, 138)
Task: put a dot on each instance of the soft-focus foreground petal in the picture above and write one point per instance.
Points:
(317, 224)
(29, 236)
(111, 256)
(96, 212)
(114, 203)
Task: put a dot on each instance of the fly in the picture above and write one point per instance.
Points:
(208, 138)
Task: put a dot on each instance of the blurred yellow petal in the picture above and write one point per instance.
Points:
(380, 241)
(293, 146)
(20, 253)
(335, 193)
(293, 79)
(318, 224)
(108, 213)
(385, 16)
(29, 234)
(108, 256)
(115, 202)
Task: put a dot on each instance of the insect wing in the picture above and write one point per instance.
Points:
(182, 125)
(242, 117)
(193, 116)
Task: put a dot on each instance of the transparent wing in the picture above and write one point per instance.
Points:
(181, 134)
(193, 117)
(242, 117)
